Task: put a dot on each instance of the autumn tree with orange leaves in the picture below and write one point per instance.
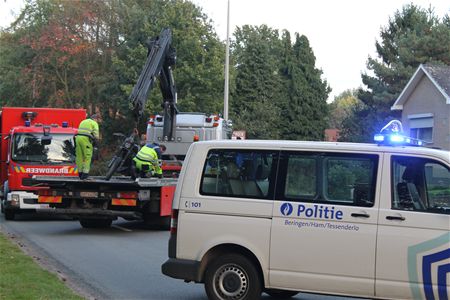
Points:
(89, 54)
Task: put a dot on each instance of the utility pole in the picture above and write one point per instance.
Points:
(227, 67)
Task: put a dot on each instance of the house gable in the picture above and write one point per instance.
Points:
(439, 77)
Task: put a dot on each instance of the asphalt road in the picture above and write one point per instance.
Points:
(121, 262)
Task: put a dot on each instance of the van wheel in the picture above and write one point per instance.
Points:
(232, 276)
(95, 223)
(280, 294)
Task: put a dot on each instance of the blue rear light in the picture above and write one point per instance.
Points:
(27, 123)
(65, 124)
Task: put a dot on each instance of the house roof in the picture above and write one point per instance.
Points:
(439, 75)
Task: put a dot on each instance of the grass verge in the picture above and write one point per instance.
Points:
(22, 278)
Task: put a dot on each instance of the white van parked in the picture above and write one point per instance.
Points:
(280, 217)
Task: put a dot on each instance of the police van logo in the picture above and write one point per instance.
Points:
(286, 209)
(432, 268)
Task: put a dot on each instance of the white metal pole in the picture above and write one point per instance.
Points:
(227, 67)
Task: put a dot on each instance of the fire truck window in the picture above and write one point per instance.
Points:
(27, 148)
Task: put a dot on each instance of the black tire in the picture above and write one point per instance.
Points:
(95, 223)
(232, 276)
(9, 214)
(280, 294)
(114, 165)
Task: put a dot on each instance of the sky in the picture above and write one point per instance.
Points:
(342, 33)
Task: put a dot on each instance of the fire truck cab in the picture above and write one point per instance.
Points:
(34, 141)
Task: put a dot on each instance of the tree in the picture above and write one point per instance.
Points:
(279, 93)
(341, 108)
(412, 37)
(198, 71)
(254, 102)
(305, 111)
(90, 53)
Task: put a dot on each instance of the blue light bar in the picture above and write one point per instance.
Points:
(378, 138)
(65, 124)
(27, 123)
(393, 139)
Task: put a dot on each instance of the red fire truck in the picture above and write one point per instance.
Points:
(34, 141)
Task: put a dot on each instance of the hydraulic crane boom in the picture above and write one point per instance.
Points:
(160, 59)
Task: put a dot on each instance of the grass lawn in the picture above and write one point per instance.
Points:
(22, 278)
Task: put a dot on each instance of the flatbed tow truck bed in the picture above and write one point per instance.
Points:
(96, 181)
(96, 197)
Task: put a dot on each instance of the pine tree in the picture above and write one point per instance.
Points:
(254, 102)
(306, 109)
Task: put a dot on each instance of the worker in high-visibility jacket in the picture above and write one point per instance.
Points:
(147, 161)
(86, 138)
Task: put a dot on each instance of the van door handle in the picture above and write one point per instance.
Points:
(395, 218)
(360, 215)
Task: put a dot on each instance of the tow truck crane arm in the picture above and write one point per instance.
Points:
(160, 59)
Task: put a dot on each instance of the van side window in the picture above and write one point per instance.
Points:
(238, 173)
(332, 178)
(349, 180)
(301, 177)
(420, 184)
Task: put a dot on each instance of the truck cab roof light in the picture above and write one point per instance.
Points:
(65, 124)
(29, 115)
(27, 123)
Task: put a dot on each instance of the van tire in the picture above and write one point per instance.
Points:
(232, 276)
(280, 294)
(95, 223)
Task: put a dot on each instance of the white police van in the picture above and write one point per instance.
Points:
(361, 220)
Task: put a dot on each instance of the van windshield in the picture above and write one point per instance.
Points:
(27, 147)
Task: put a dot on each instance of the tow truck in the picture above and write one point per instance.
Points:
(98, 201)
(34, 141)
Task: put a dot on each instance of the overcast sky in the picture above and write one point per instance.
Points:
(341, 33)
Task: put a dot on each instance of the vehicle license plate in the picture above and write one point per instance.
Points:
(89, 194)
